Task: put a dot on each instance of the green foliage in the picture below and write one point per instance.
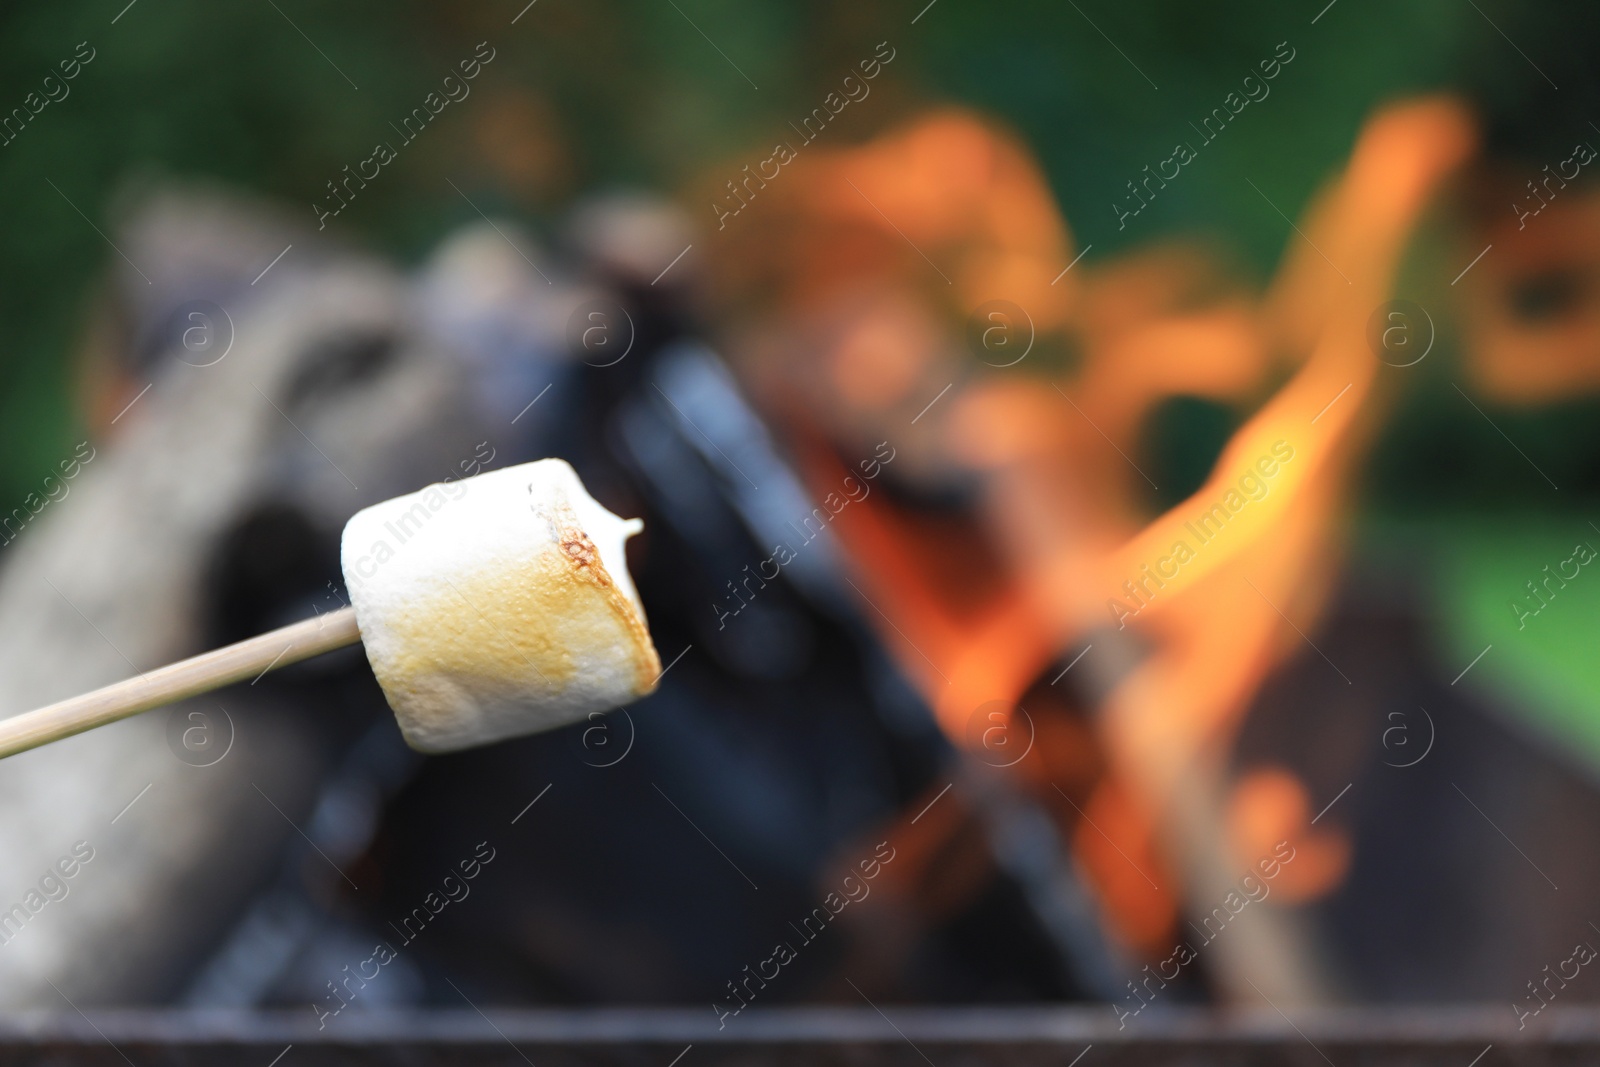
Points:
(1182, 440)
(1542, 661)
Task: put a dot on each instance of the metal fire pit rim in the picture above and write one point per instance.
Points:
(966, 1025)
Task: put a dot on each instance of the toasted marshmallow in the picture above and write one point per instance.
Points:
(497, 605)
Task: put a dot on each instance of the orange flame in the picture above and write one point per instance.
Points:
(1227, 612)
(948, 191)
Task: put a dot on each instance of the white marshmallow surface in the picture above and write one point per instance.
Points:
(497, 605)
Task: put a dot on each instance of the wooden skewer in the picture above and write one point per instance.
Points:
(177, 681)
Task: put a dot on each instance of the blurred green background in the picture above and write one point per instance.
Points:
(636, 94)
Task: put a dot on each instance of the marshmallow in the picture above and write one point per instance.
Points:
(497, 605)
